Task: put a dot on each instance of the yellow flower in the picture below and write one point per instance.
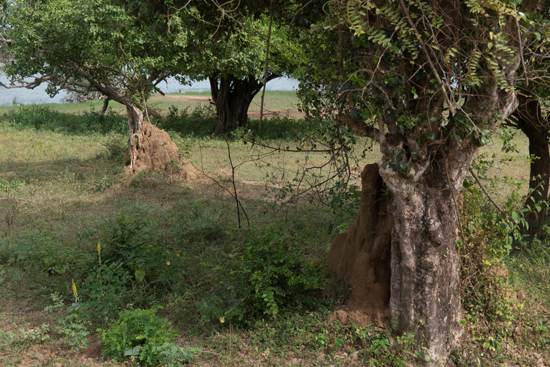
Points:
(75, 291)
(99, 248)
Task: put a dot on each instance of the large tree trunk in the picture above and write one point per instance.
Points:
(529, 119)
(420, 286)
(151, 149)
(232, 98)
(425, 280)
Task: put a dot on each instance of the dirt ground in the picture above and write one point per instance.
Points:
(251, 114)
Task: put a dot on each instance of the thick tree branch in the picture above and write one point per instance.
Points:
(359, 128)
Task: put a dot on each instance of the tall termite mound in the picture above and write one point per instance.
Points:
(361, 256)
(151, 149)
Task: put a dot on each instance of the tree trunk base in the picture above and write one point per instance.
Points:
(153, 150)
(362, 256)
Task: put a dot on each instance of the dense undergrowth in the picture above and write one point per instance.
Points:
(234, 297)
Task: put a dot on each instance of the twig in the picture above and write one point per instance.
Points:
(266, 66)
(235, 195)
(486, 193)
(428, 58)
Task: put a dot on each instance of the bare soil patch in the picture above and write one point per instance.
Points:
(251, 114)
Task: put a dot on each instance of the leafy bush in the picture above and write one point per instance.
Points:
(131, 242)
(134, 265)
(272, 273)
(44, 118)
(106, 291)
(201, 122)
(140, 334)
(116, 145)
(44, 254)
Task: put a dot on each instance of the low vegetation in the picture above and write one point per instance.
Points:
(98, 268)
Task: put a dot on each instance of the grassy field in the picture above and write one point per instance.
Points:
(63, 191)
(274, 100)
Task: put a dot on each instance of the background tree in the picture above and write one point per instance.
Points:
(232, 56)
(100, 45)
(530, 118)
(413, 63)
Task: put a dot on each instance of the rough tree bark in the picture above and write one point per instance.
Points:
(425, 284)
(529, 119)
(232, 98)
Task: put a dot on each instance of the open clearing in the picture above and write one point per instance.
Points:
(61, 193)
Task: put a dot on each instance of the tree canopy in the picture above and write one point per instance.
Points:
(100, 45)
(232, 54)
(93, 44)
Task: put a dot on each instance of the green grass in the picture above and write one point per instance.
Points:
(274, 100)
(63, 190)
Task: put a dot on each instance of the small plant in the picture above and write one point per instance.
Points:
(273, 274)
(116, 146)
(33, 336)
(141, 335)
(105, 291)
(74, 329)
(9, 184)
(173, 355)
(70, 325)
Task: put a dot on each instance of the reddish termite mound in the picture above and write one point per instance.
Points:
(151, 149)
(361, 256)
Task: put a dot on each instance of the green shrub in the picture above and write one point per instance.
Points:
(106, 291)
(44, 254)
(272, 274)
(134, 264)
(132, 243)
(141, 335)
(201, 122)
(44, 118)
(116, 145)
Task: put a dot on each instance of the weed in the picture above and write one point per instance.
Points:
(33, 336)
(116, 145)
(141, 335)
(273, 274)
(9, 184)
(106, 291)
(70, 325)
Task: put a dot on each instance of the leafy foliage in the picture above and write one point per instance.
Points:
(44, 118)
(273, 274)
(141, 335)
(93, 44)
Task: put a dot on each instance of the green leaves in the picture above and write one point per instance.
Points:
(142, 335)
(96, 42)
(273, 274)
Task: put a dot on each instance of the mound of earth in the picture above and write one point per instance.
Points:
(155, 151)
(361, 256)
